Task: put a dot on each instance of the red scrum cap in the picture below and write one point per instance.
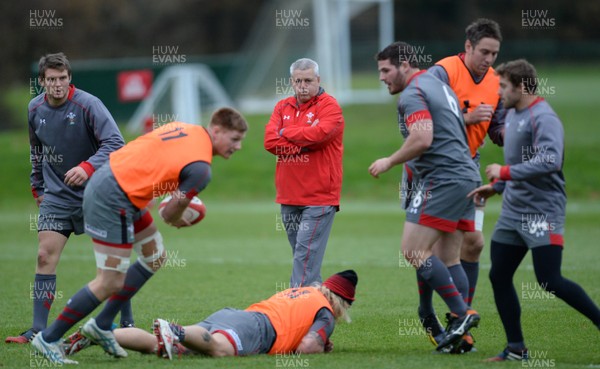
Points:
(343, 284)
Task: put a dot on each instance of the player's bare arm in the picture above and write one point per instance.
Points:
(417, 142)
(312, 343)
(174, 210)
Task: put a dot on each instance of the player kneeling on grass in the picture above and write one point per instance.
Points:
(174, 158)
(533, 205)
(296, 320)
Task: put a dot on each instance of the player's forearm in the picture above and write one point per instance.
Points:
(496, 127)
(36, 157)
(175, 208)
(107, 146)
(496, 131)
(36, 178)
(534, 168)
(412, 148)
(311, 344)
(498, 186)
(107, 135)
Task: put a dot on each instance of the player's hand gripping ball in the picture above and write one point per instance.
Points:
(194, 213)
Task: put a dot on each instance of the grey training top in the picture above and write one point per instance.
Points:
(448, 157)
(62, 137)
(533, 152)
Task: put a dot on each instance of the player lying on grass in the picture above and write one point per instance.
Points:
(299, 320)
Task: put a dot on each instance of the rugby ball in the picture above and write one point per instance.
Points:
(194, 213)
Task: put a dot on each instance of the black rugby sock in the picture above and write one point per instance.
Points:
(505, 260)
(546, 263)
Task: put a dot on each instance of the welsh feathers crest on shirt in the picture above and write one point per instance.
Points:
(71, 117)
(310, 116)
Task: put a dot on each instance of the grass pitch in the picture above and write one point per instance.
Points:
(238, 255)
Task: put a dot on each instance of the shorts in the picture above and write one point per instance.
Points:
(60, 218)
(407, 183)
(532, 231)
(249, 332)
(442, 204)
(109, 216)
(476, 159)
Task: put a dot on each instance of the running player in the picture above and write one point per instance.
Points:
(436, 142)
(174, 158)
(297, 320)
(71, 134)
(472, 78)
(533, 204)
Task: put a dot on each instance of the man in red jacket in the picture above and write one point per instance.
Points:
(305, 134)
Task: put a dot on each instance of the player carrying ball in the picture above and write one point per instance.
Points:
(174, 158)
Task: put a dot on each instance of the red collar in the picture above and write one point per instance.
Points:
(71, 91)
(414, 75)
(539, 99)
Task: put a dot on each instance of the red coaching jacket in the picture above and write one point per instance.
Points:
(307, 142)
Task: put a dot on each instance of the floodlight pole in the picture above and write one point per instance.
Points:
(332, 40)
